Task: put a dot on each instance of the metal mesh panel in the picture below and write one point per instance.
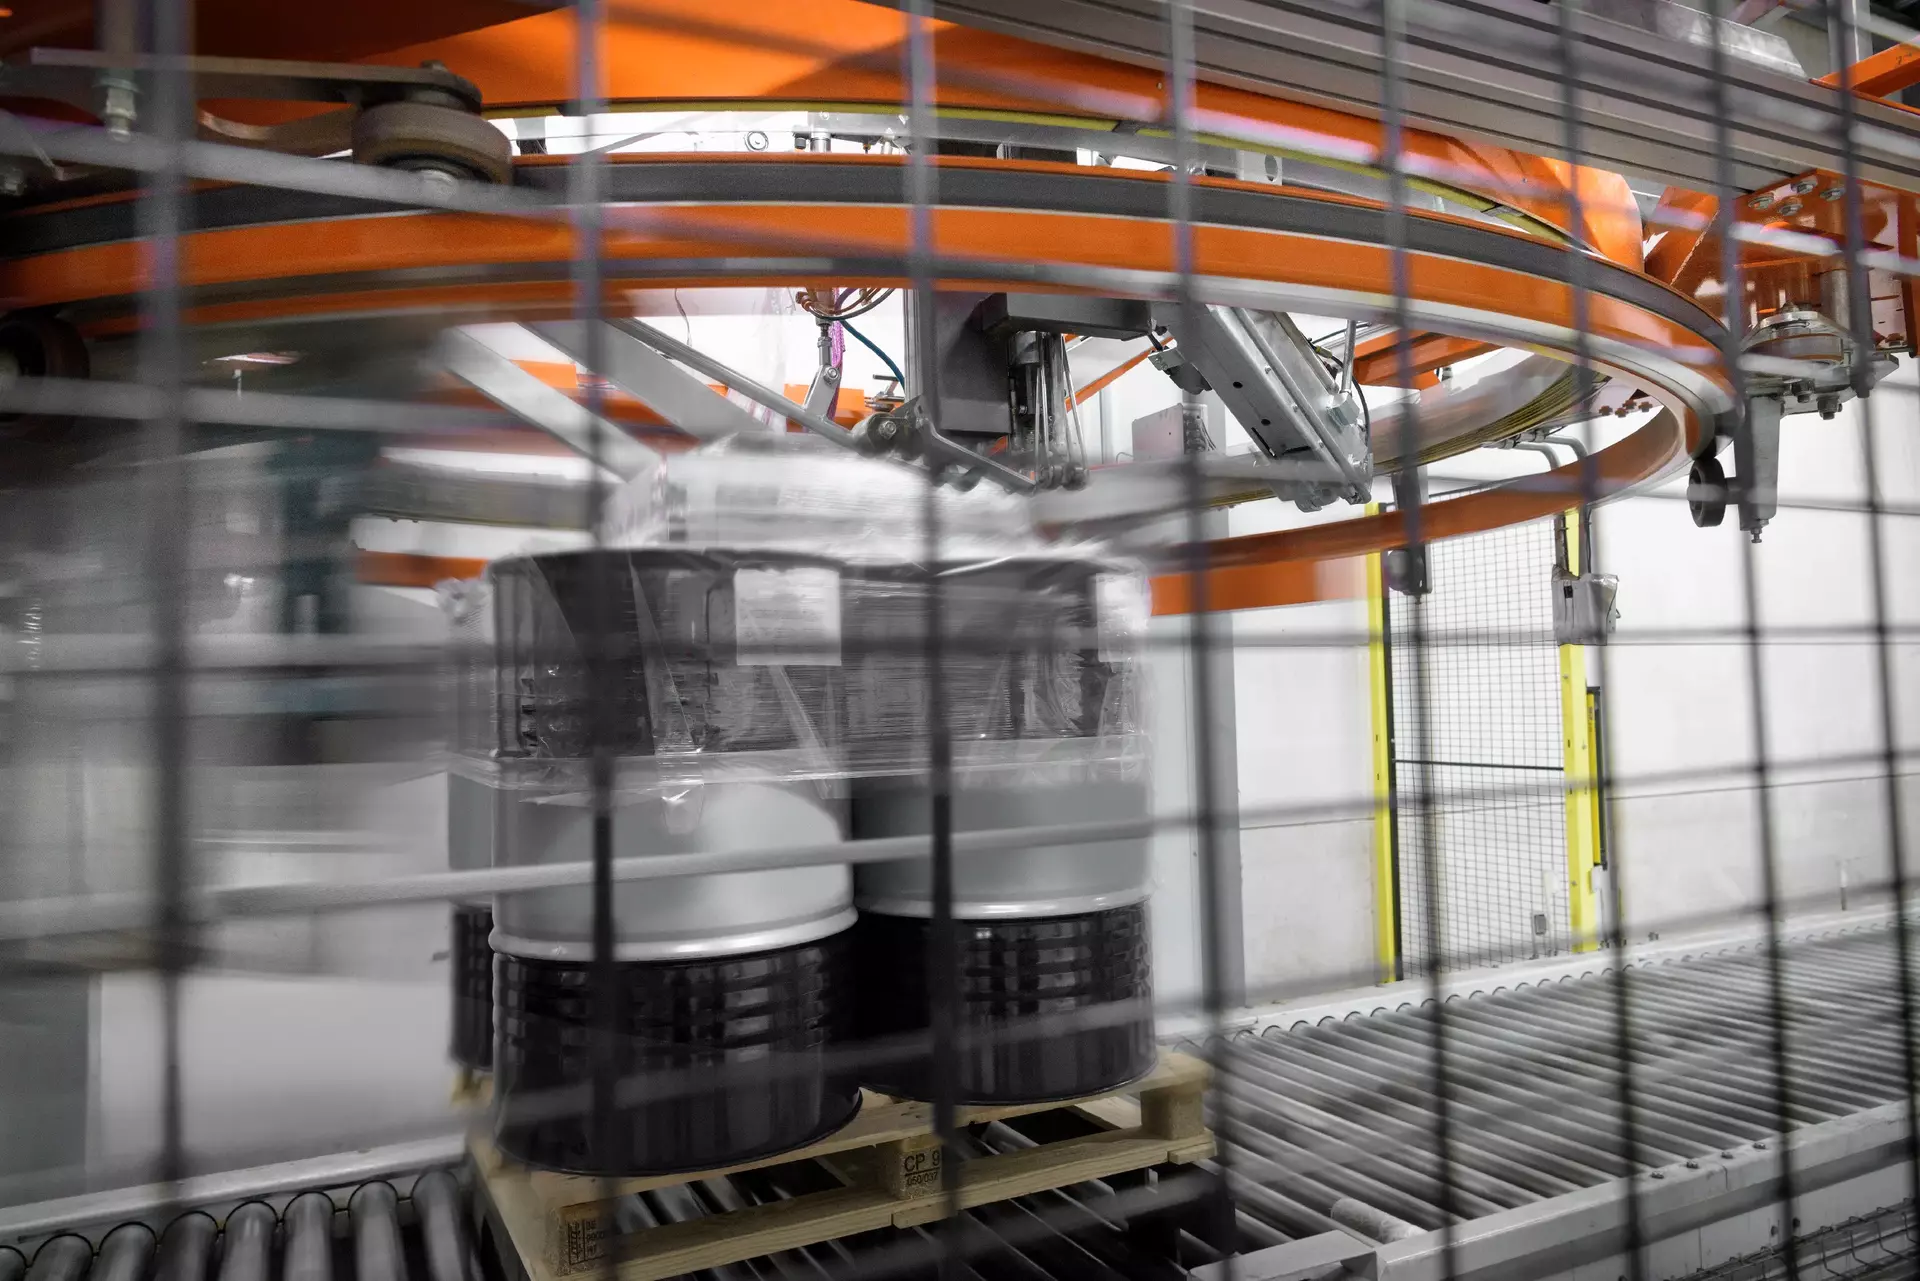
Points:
(1871, 1247)
(1478, 752)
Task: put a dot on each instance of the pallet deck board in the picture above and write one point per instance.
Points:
(888, 1160)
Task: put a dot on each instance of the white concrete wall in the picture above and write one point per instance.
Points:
(1686, 832)
(1306, 784)
(1303, 770)
(1683, 747)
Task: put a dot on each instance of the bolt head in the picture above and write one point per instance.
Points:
(1834, 193)
(1789, 209)
(1801, 186)
(1762, 201)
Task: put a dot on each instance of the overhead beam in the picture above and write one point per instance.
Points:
(1748, 12)
(684, 401)
(1488, 69)
(1884, 73)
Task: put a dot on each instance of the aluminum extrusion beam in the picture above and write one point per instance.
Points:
(407, 491)
(552, 411)
(656, 382)
(1487, 69)
(693, 358)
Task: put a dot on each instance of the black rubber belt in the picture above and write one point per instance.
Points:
(1087, 191)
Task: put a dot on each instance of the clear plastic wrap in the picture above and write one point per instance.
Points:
(683, 677)
(797, 654)
(804, 494)
(686, 778)
(468, 606)
(1024, 655)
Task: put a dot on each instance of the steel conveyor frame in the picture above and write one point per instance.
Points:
(1709, 1202)
(1696, 1211)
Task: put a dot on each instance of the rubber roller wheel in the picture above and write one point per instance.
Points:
(1707, 492)
(427, 137)
(37, 344)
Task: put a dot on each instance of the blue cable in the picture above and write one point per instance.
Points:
(885, 359)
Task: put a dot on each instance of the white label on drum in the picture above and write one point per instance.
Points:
(787, 617)
(1121, 611)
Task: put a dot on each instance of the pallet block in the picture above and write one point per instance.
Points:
(889, 1160)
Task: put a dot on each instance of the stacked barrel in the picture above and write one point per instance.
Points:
(747, 661)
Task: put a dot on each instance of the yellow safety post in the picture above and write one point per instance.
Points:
(1598, 791)
(1385, 891)
(1583, 843)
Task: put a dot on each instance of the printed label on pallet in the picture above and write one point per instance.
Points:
(581, 1237)
(920, 1172)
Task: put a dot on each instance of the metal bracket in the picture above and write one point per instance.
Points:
(943, 454)
(1285, 398)
(907, 433)
(1756, 458)
(72, 76)
(823, 393)
(1583, 609)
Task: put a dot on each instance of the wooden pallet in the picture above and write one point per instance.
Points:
(888, 1159)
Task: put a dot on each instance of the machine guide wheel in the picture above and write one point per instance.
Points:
(430, 138)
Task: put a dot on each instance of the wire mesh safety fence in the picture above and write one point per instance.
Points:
(707, 844)
(1493, 723)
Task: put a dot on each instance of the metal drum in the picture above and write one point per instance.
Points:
(730, 987)
(469, 612)
(1040, 660)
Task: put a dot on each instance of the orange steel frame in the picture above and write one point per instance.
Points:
(1247, 572)
(799, 53)
(846, 51)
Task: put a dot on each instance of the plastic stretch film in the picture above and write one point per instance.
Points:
(801, 493)
(791, 663)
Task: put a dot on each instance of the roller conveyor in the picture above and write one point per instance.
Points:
(1330, 1110)
(1335, 1108)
